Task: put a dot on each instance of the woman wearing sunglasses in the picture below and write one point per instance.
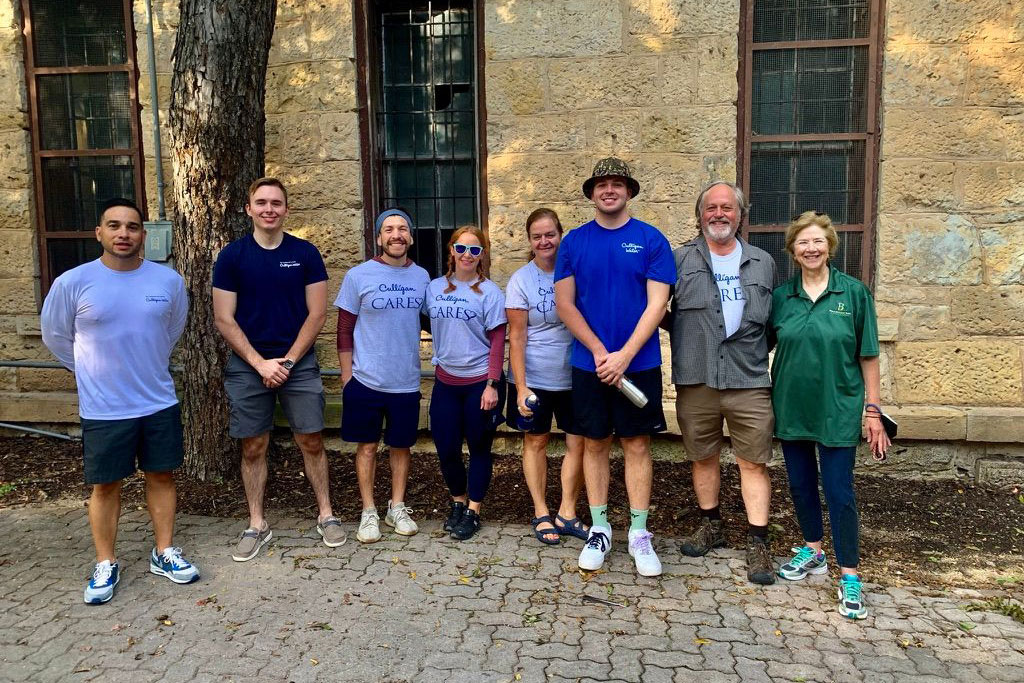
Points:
(538, 359)
(467, 321)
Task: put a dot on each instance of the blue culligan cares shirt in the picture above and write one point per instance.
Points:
(611, 269)
(548, 341)
(459, 322)
(386, 301)
(271, 289)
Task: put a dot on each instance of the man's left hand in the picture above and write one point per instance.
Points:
(613, 366)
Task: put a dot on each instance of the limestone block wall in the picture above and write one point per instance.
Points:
(950, 256)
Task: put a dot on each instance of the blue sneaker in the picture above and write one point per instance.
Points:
(806, 561)
(171, 564)
(851, 597)
(101, 586)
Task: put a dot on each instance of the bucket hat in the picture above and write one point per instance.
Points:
(611, 166)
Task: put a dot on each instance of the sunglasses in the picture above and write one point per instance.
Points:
(473, 249)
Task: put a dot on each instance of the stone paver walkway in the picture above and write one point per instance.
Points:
(498, 608)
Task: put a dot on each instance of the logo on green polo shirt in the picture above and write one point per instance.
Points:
(840, 309)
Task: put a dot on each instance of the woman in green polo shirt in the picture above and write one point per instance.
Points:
(826, 360)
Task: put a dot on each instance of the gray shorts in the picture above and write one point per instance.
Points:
(111, 447)
(252, 404)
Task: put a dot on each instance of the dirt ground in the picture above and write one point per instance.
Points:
(931, 533)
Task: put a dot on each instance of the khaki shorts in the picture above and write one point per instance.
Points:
(701, 409)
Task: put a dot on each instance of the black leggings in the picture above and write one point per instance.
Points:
(455, 415)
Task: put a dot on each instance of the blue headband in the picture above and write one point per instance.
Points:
(387, 214)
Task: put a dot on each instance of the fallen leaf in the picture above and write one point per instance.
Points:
(701, 641)
(412, 575)
(464, 579)
(778, 632)
(314, 662)
(967, 626)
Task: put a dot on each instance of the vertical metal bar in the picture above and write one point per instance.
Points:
(745, 99)
(871, 145)
(154, 98)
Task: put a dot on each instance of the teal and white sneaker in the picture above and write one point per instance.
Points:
(101, 586)
(806, 561)
(171, 564)
(851, 597)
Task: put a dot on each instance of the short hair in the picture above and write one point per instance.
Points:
(806, 220)
(741, 198)
(119, 201)
(266, 181)
(535, 216)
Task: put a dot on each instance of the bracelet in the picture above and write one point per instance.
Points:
(873, 407)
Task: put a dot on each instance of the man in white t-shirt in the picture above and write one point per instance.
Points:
(379, 355)
(113, 322)
(719, 315)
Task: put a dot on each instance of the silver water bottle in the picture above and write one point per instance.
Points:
(633, 393)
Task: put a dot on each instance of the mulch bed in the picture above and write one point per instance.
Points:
(931, 533)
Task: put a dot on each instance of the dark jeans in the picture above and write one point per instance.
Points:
(455, 415)
(837, 481)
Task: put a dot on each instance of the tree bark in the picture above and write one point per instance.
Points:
(217, 140)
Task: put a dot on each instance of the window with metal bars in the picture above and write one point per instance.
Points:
(81, 76)
(810, 122)
(422, 59)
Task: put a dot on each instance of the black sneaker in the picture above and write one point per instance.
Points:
(705, 537)
(467, 526)
(760, 567)
(454, 515)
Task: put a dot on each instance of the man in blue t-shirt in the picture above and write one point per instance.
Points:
(612, 280)
(269, 303)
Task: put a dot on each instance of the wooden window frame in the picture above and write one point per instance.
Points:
(32, 72)
(871, 136)
(367, 94)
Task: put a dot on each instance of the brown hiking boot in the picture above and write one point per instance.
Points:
(760, 567)
(707, 536)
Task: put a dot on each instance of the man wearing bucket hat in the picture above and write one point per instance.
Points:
(379, 356)
(612, 282)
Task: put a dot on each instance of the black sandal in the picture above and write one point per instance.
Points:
(571, 527)
(541, 533)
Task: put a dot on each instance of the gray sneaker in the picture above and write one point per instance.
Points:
(398, 517)
(250, 543)
(705, 537)
(806, 561)
(332, 533)
(369, 526)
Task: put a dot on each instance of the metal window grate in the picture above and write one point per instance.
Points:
(81, 33)
(426, 121)
(787, 20)
(85, 111)
(75, 188)
(811, 90)
(847, 259)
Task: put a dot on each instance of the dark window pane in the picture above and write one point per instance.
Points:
(783, 20)
(847, 258)
(788, 178)
(75, 188)
(810, 90)
(85, 111)
(426, 120)
(79, 33)
(66, 254)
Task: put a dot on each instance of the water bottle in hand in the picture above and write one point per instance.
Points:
(526, 423)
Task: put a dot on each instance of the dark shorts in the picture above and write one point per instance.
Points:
(366, 413)
(602, 410)
(252, 404)
(111, 447)
(556, 404)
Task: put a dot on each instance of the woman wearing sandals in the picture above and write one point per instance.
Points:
(467, 321)
(825, 377)
(539, 347)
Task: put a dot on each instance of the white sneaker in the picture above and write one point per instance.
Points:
(398, 517)
(596, 548)
(640, 548)
(369, 526)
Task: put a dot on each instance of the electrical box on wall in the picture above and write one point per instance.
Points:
(158, 240)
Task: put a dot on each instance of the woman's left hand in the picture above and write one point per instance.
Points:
(489, 399)
(877, 439)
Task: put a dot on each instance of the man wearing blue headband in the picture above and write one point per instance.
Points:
(379, 355)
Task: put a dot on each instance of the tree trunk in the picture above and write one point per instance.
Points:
(217, 138)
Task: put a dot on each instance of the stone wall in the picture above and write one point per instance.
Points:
(950, 248)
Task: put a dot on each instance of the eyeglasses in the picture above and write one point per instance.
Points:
(473, 249)
(817, 241)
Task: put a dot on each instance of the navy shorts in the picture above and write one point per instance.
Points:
(366, 413)
(111, 447)
(252, 403)
(602, 410)
(553, 404)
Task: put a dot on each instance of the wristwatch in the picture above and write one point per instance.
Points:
(493, 383)
(288, 364)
